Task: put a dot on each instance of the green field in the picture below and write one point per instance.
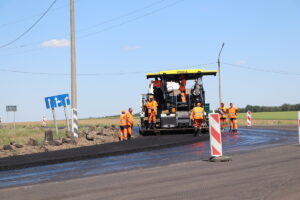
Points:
(289, 115)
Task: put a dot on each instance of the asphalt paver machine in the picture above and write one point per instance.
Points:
(174, 106)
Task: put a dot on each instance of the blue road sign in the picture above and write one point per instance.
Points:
(57, 101)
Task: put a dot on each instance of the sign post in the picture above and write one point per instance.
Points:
(299, 126)
(14, 119)
(67, 120)
(65, 103)
(55, 122)
(14, 110)
(62, 100)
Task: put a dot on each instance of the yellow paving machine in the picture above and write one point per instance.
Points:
(176, 92)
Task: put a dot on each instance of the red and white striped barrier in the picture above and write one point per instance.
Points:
(299, 125)
(249, 119)
(215, 135)
(44, 122)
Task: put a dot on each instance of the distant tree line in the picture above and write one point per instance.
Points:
(283, 107)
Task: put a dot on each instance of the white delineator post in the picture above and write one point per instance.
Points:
(249, 119)
(299, 125)
(215, 135)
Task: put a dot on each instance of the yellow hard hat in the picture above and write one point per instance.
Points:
(151, 97)
(123, 111)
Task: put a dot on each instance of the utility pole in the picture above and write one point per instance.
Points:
(219, 73)
(73, 73)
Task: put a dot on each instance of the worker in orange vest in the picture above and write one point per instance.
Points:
(129, 122)
(123, 127)
(197, 115)
(183, 89)
(223, 111)
(151, 106)
(232, 114)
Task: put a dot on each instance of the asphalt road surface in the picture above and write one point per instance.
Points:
(256, 172)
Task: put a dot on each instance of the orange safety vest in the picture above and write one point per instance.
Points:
(197, 113)
(129, 119)
(223, 112)
(122, 120)
(232, 112)
(151, 106)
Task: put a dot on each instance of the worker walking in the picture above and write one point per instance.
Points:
(232, 114)
(123, 127)
(222, 111)
(197, 115)
(129, 122)
(152, 111)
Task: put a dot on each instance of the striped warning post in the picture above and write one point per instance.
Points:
(215, 135)
(299, 125)
(44, 122)
(74, 122)
(249, 119)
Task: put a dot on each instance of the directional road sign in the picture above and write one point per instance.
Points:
(57, 101)
(11, 108)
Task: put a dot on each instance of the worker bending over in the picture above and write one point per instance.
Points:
(151, 105)
(123, 126)
(232, 117)
(129, 122)
(197, 115)
(183, 89)
(223, 111)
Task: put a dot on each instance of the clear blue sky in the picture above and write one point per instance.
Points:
(141, 36)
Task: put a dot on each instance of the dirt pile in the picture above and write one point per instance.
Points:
(87, 136)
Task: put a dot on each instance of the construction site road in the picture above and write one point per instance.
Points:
(248, 139)
(271, 173)
(97, 151)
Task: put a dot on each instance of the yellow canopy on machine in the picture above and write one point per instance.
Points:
(188, 73)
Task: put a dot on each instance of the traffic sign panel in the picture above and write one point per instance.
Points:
(11, 108)
(57, 101)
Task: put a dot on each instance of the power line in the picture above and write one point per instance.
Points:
(102, 74)
(262, 70)
(121, 16)
(131, 20)
(31, 27)
(113, 19)
(30, 17)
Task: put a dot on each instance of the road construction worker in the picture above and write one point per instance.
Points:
(129, 122)
(232, 114)
(123, 127)
(183, 89)
(152, 111)
(197, 115)
(157, 83)
(223, 111)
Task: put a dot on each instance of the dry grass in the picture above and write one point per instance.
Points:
(82, 122)
(26, 130)
(21, 134)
